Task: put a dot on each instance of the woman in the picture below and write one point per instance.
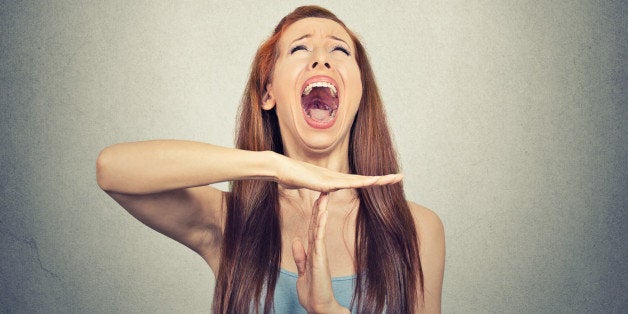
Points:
(315, 206)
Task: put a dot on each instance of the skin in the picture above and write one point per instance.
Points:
(324, 45)
(164, 183)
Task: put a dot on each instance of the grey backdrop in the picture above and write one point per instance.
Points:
(509, 117)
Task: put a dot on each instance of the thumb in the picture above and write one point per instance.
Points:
(300, 258)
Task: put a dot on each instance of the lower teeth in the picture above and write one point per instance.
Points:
(321, 115)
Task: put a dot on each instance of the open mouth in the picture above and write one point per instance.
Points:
(320, 101)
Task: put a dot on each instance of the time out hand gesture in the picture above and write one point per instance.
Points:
(314, 283)
(295, 174)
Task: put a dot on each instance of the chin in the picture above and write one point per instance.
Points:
(322, 142)
(316, 141)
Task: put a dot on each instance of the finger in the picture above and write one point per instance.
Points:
(322, 201)
(321, 222)
(314, 219)
(389, 179)
(357, 181)
(349, 181)
(311, 227)
(320, 206)
(317, 205)
(300, 258)
(319, 243)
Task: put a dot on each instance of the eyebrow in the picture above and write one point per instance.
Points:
(338, 38)
(300, 38)
(310, 35)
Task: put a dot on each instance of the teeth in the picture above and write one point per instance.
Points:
(331, 115)
(331, 87)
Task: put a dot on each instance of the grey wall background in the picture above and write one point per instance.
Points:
(509, 117)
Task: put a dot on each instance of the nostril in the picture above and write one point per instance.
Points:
(327, 65)
(315, 64)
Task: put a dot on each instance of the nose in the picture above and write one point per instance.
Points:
(325, 64)
(320, 59)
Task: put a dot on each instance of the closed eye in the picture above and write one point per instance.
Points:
(297, 48)
(342, 49)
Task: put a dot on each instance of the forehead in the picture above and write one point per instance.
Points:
(316, 28)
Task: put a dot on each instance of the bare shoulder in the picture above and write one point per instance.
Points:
(431, 236)
(428, 224)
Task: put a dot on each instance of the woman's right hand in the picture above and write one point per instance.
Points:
(296, 174)
(166, 184)
(150, 167)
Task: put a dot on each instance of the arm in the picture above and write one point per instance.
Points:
(164, 184)
(158, 166)
(431, 236)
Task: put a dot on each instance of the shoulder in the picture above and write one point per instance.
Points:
(431, 236)
(428, 224)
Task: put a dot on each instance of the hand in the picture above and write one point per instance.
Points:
(295, 174)
(314, 283)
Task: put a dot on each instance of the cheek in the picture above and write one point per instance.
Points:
(354, 82)
(283, 89)
(284, 80)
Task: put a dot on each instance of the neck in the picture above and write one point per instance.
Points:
(336, 159)
(303, 200)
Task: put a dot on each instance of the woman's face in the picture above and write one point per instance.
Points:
(316, 86)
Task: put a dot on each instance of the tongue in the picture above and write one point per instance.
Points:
(319, 104)
(320, 115)
(318, 110)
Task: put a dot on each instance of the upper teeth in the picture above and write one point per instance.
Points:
(331, 87)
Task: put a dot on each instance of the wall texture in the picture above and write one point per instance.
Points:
(509, 117)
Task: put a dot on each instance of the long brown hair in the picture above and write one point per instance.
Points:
(387, 258)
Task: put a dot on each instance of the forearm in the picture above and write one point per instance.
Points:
(157, 166)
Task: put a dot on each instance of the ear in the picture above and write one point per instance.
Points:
(268, 100)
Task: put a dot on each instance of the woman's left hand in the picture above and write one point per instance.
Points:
(314, 284)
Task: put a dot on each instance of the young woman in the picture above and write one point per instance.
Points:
(316, 219)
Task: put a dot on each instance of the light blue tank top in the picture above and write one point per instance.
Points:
(287, 300)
